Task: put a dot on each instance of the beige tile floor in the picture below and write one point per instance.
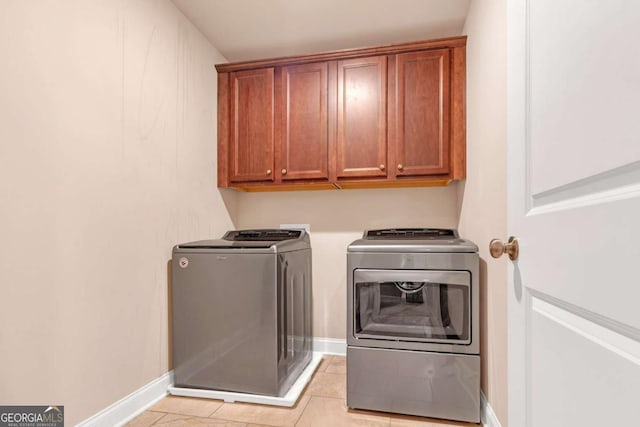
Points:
(321, 405)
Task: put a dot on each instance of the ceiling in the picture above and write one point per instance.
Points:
(250, 29)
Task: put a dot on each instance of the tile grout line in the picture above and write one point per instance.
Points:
(164, 414)
(329, 359)
(210, 416)
(341, 400)
(251, 422)
(295, 423)
(178, 413)
(243, 422)
(217, 409)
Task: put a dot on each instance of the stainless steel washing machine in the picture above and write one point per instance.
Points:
(412, 324)
(242, 311)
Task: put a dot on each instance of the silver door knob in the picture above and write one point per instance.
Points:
(381, 167)
(268, 171)
(497, 248)
(400, 167)
(284, 171)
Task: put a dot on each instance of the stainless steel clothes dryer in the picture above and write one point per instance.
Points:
(412, 324)
(242, 311)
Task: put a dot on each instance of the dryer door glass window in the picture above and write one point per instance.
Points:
(412, 305)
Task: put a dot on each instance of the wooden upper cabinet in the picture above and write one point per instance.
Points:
(251, 132)
(303, 122)
(389, 116)
(361, 148)
(421, 110)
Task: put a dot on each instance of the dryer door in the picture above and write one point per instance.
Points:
(412, 305)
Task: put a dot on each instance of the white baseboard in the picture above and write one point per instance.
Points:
(332, 346)
(487, 416)
(132, 405)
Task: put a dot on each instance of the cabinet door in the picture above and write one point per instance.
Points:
(362, 119)
(422, 113)
(303, 145)
(252, 124)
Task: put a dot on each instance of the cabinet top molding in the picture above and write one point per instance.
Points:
(448, 42)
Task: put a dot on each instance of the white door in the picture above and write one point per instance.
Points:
(574, 203)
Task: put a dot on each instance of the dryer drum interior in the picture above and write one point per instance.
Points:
(413, 310)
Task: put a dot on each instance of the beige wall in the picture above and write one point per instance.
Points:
(338, 217)
(483, 195)
(107, 159)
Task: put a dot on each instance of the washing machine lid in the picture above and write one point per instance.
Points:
(266, 235)
(410, 234)
(412, 240)
(267, 240)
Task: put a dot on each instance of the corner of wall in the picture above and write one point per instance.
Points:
(482, 198)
